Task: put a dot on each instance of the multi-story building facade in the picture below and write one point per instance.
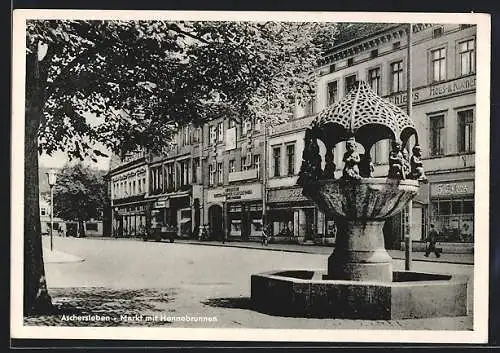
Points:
(215, 174)
(232, 189)
(129, 185)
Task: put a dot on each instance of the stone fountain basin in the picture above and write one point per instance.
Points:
(411, 295)
(364, 199)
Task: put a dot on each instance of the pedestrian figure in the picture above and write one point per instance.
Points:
(431, 242)
(265, 236)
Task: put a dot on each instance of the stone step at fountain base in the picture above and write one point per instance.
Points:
(410, 295)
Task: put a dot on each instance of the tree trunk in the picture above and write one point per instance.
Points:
(36, 296)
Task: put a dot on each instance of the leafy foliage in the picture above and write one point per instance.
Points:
(79, 194)
(142, 79)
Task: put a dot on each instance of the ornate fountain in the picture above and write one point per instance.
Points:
(359, 281)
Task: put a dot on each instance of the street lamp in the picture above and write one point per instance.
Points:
(52, 177)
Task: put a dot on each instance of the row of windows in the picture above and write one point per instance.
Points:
(248, 162)
(129, 187)
(465, 133)
(437, 131)
(190, 135)
(438, 58)
(290, 160)
(167, 178)
(216, 131)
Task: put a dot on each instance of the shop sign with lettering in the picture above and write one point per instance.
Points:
(286, 195)
(452, 188)
(162, 203)
(242, 192)
(292, 125)
(459, 85)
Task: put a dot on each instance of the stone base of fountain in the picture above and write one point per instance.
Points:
(410, 295)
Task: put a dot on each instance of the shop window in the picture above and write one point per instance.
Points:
(290, 154)
(255, 207)
(453, 219)
(256, 227)
(332, 92)
(277, 161)
(92, 227)
(236, 227)
(234, 208)
(283, 228)
(397, 76)
(438, 65)
(374, 80)
(437, 135)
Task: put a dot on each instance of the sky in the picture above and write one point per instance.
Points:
(58, 159)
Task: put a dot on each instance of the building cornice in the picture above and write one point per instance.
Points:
(371, 41)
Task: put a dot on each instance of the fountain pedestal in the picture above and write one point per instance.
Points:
(360, 254)
(361, 207)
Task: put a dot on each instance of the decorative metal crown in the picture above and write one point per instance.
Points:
(364, 115)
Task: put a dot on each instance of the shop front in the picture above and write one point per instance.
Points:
(452, 210)
(294, 218)
(129, 220)
(173, 211)
(235, 211)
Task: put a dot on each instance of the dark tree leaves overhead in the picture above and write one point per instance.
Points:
(141, 79)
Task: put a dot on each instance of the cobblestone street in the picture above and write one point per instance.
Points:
(187, 285)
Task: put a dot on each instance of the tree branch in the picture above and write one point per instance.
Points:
(66, 70)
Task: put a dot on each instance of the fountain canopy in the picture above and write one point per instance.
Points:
(364, 115)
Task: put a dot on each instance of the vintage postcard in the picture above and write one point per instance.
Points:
(250, 176)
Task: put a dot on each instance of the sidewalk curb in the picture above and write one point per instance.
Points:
(395, 257)
(59, 257)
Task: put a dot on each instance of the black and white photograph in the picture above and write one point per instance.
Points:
(250, 176)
